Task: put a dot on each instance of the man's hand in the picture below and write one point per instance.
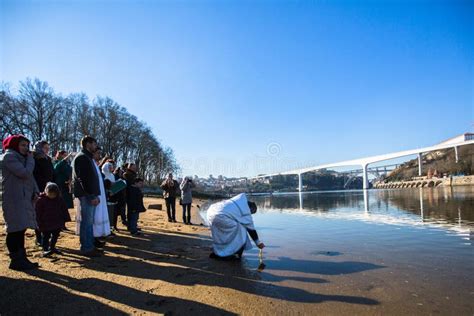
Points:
(95, 201)
(261, 245)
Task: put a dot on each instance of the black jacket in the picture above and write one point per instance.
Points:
(135, 200)
(85, 180)
(170, 191)
(43, 171)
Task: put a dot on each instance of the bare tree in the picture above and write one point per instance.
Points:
(40, 113)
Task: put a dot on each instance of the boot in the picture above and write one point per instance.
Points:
(19, 262)
(31, 265)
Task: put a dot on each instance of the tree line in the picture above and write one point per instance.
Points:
(39, 113)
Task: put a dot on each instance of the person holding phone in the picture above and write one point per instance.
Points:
(170, 191)
(20, 193)
(186, 187)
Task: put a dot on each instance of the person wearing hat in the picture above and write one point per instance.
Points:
(20, 193)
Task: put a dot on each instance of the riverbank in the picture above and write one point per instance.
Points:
(167, 271)
(421, 182)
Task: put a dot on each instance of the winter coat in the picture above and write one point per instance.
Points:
(51, 214)
(19, 188)
(63, 174)
(170, 191)
(186, 191)
(135, 200)
(85, 180)
(44, 171)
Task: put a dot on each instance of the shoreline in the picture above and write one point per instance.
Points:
(167, 271)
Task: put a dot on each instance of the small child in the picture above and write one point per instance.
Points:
(135, 205)
(51, 215)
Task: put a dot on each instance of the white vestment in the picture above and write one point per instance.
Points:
(101, 218)
(229, 221)
(101, 225)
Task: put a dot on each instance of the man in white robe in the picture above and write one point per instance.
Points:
(231, 224)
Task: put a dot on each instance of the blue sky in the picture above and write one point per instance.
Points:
(247, 87)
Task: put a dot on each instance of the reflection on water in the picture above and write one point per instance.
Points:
(412, 244)
(449, 208)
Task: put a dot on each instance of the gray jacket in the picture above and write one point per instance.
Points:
(19, 187)
(186, 192)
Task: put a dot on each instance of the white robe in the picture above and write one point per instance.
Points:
(229, 221)
(101, 218)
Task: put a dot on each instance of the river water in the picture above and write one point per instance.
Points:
(385, 251)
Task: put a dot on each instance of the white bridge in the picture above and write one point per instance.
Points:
(455, 142)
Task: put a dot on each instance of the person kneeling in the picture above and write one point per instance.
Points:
(135, 205)
(231, 224)
(51, 215)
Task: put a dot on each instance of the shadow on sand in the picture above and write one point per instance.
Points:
(174, 257)
(188, 264)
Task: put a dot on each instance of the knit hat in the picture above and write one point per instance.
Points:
(13, 142)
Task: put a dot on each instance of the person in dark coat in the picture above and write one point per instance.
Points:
(135, 205)
(51, 215)
(44, 170)
(43, 173)
(186, 201)
(121, 202)
(19, 195)
(129, 175)
(170, 191)
(62, 176)
(86, 188)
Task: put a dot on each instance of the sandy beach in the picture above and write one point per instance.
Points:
(167, 271)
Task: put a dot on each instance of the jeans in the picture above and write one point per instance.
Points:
(133, 221)
(187, 213)
(50, 244)
(16, 241)
(171, 208)
(87, 222)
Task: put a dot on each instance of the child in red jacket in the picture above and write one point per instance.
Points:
(51, 215)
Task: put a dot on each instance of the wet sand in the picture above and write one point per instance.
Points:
(166, 270)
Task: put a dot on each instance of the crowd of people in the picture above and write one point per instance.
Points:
(38, 192)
